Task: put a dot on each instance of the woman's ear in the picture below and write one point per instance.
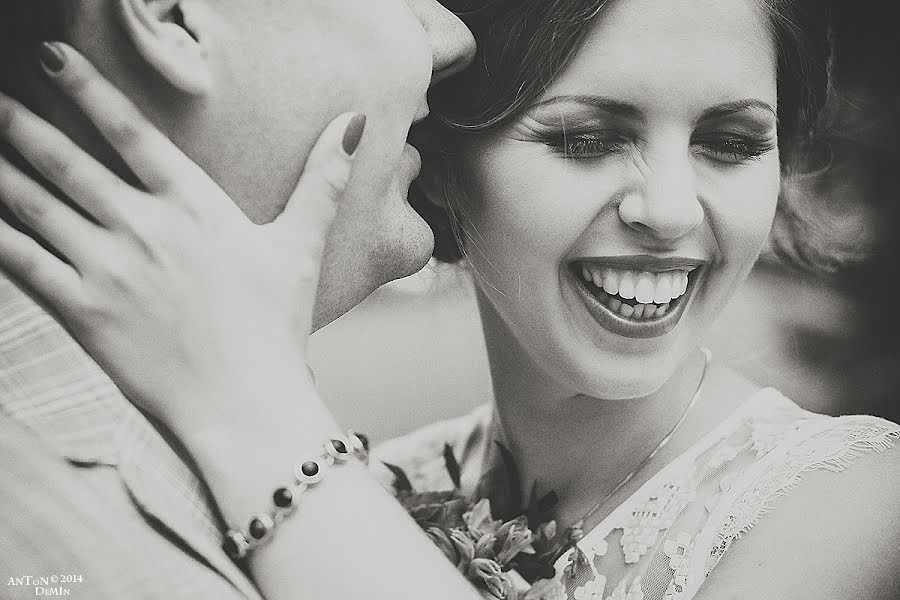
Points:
(162, 33)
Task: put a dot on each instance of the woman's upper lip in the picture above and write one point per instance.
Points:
(645, 262)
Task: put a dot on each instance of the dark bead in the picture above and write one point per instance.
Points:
(258, 529)
(364, 439)
(230, 546)
(339, 446)
(282, 497)
(310, 468)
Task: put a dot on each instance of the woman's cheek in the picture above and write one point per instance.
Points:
(760, 197)
(740, 207)
(510, 200)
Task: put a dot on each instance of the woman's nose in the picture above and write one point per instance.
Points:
(665, 205)
(452, 44)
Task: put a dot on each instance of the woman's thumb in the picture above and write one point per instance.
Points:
(311, 208)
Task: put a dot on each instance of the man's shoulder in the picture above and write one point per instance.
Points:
(23, 454)
(38, 485)
(45, 527)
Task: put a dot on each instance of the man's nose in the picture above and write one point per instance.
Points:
(452, 44)
(666, 205)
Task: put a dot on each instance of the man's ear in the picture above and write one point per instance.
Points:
(161, 32)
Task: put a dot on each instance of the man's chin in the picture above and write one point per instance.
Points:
(330, 305)
(340, 292)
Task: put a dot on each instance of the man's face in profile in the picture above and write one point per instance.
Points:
(282, 70)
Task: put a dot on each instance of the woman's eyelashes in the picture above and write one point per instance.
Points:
(730, 148)
(721, 147)
(587, 145)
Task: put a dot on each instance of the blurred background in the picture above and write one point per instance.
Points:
(414, 353)
(819, 319)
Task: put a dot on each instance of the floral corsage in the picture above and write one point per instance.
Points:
(506, 551)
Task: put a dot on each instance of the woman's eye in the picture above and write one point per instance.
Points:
(583, 145)
(732, 149)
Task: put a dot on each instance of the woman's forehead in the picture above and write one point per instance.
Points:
(676, 51)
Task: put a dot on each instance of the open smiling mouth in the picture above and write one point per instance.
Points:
(643, 302)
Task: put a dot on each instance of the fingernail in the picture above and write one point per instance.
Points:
(52, 57)
(353, 133)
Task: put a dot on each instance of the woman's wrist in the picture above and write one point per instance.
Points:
(251, 433)
(243, 397)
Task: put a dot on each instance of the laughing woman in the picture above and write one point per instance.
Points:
(609, 172)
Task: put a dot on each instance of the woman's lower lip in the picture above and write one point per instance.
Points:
(628, 327)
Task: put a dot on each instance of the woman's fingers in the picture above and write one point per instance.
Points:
(311, 208)
(37, 269)
(69, 232)
(152, 157)
(82, 178)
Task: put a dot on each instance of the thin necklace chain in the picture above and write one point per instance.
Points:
(576, 532)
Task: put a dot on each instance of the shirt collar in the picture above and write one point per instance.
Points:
(52, 386)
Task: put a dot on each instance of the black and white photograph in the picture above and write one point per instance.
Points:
(449, 299)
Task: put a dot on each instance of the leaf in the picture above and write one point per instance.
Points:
(401, 481)
(513, 506)
(480, 520)
(452, 466)
(547, 502)
(532, 568)
(539, 508)
(445, 511)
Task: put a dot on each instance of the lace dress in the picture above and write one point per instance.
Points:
(666, 538)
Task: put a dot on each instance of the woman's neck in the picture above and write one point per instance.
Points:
(578, 446)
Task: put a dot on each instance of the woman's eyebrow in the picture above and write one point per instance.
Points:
(729, 108)
(632, 112)
(600, 103)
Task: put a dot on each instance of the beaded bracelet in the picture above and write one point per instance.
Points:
(307, 473)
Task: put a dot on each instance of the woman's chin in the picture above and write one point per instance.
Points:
(628, 388)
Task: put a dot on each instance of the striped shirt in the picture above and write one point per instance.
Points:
(90, 491)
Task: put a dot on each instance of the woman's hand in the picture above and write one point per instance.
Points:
(170, 288)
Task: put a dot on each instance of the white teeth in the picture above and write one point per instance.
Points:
(643, 290)
(663, 289)
(626, 286)
(644, 287)
(639, 311)
(610, 282)
(660, 311)
(649, 311)
(626, 310)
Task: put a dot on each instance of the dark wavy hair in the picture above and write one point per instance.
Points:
(23, 26)
(523, 45)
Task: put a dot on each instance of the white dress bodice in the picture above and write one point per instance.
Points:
(665, 539)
